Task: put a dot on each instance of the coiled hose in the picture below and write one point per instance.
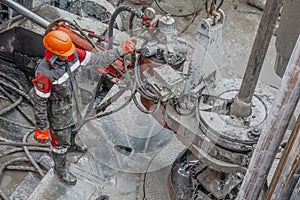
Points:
(19, 89)
(15, 86)
(113, 18)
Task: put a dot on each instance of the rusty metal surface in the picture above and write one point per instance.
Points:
(286, 175)
(276, 125)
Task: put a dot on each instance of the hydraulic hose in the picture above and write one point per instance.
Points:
(19, 88)
(113, 18)
(109, 101)
(15, 150)
(21, 168)
(11, 106)
(3, 195)
(10, 97)
(131, 25)
(36, 166)
(22, 93)
(19, 159)
(143, 109)
(16, 123)
(126, 102)
(16, 87)
(140, 85)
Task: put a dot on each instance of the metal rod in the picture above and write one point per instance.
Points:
(21, 144)
(242, 103)
(277, 122)
(26, 13)
(284, 179)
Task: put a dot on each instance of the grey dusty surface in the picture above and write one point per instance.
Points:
(143, 173)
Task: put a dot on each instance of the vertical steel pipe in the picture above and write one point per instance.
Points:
(26, 13)
(277, 122)
(287, 172)
(242, 103)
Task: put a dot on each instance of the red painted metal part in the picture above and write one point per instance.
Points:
(83, 43)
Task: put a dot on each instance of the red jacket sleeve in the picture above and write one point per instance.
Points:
(42, 85)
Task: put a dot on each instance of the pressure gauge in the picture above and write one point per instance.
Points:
(149, 13)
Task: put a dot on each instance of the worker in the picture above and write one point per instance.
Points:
(54, 89)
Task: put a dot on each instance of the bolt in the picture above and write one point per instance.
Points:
(254, 133)
(246, 122)
(256, 130)
(211, 118)
(190, 105)
(183, 106)
(253, 116)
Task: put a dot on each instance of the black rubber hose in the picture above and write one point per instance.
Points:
(125, 103)
(107, 113)
(15, 89)
(16, 123)
(142, 109)
(22, 144)
(36, 166)
(15, 150)
(140, 86)
(11, 106)
(21, 168)
(131, 25)
(10, 97)
(19, 159)
(113, 18)
(109, 101)
(3, 195)
(19, 88)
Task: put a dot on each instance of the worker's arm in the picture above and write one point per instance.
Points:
(39, 95)
(104, 58)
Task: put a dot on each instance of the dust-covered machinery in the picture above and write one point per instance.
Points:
(186, 94)
(178, 83)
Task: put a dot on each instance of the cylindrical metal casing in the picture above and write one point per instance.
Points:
(288, 32)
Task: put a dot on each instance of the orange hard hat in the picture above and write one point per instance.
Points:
(59, 43)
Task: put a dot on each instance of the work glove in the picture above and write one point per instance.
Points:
(41, 136)
(129, 45)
